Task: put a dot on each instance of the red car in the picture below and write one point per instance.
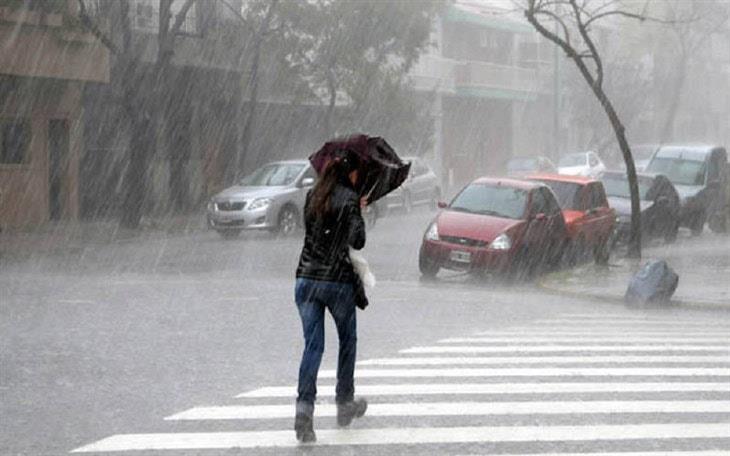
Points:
(495, 225)
(588, 217)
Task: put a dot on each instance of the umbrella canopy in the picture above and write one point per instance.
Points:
(382, 170)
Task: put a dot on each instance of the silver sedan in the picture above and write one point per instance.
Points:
(271, 198)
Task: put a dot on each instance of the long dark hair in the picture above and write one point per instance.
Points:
(336, 171)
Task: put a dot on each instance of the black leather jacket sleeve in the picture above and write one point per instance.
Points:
(356, 227)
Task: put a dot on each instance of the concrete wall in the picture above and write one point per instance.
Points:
(24, 188)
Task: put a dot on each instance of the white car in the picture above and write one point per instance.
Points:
(586, 164)
(421, 187)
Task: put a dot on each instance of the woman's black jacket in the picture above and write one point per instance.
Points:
(325, 254)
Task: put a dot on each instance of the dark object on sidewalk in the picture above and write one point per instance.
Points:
(654, 283)
(382, 170)
(304, 428)
(361, 299)
(347, 411)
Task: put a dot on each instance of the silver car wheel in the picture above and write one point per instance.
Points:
(287, 221)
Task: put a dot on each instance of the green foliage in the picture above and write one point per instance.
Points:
(45, 6)
(361, 51)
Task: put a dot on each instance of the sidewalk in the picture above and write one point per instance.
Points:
(703, 266)
(73, 236)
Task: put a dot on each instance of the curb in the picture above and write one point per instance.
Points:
(614, 299)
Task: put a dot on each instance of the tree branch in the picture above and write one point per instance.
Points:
(558, 19)
(583, 30)
(88, 23)
(238, 14)
(180, 16)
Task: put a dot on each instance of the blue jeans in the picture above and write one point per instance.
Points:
(312, 297)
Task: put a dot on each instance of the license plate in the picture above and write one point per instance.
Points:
(460, 257)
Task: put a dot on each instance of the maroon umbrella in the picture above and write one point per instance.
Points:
(382, 170)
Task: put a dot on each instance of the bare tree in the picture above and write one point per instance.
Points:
(143, 110)
(573, 23)
(257, 26)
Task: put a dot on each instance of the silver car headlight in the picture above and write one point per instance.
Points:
(211, 205)
(432, 233)
(259, 203)
(501, 242)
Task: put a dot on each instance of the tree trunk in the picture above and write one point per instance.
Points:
(595, 83)
(675, 97)
(332, 88)
(254, 87)
(634, 247)
(251, 114)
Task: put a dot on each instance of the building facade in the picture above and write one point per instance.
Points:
(490, 77)
(45, 64)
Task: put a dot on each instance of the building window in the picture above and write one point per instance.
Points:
(14, 141)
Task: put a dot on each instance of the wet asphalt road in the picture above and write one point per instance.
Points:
(111, 339)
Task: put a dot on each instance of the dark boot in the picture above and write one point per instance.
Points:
(347, 411)
(304, 423)
(304, 427)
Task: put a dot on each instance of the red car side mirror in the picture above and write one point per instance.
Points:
(442, 205)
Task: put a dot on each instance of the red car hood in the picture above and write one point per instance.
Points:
(473, 226)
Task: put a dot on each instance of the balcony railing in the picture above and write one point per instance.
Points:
(493, 76)
(432, 72)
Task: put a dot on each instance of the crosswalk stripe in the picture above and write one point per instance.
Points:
(406, 389)
(544, 348)
(253, 412)
(603, 332)
(632, 453)
(632, 314)
(421, 435)
(536, 372)
(584, 339)
(597, 359)
(628, 318)
(563, 322)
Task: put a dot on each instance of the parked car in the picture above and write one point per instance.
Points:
(517, 166)
(587, 164)
(659, 205)
(699, 173)
(271, 198)
(421, 187)
(642, 153)
(588, 217)
(495, 225)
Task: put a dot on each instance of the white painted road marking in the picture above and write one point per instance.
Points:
(586, 339)
(567, 323)
(632, 453)
(422, 435)
(537, 372)
(253, 412)
(630, 321)
(597, 359)
(605, 332)
(498, 388)
(545, 348)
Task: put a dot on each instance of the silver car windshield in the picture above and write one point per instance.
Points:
(679, 171)
(272, 175)
(573, 160)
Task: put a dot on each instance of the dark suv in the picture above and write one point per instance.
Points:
(699, 173)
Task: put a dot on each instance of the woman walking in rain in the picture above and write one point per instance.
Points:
(326, 279)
